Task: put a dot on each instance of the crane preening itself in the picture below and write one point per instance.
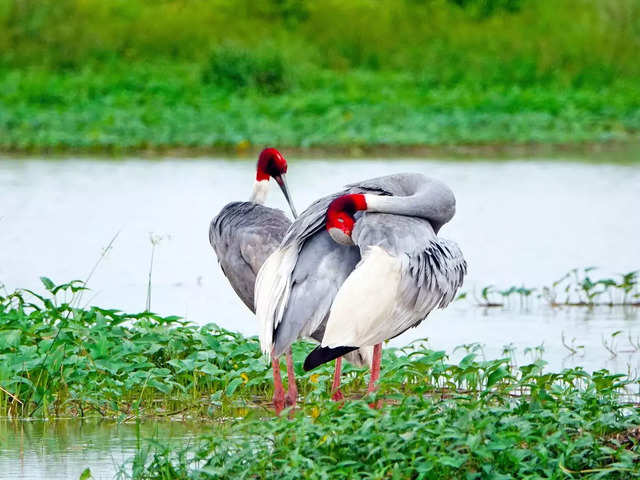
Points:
(360, 267)
(244, 234)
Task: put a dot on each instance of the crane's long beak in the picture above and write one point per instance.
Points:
(282, 182)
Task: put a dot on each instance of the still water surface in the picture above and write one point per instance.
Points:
(63, 449)
(518, 221)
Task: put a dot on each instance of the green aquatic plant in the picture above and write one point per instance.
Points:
(488, 297)
(580, 289)
(59, 359)
(476, 418)
(572, 347)
(576, 288)
(568, 423)
(629, 283)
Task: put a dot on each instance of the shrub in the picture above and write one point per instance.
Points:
(235, 68)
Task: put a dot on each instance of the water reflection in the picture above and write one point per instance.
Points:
(62, 449)
(555, 331)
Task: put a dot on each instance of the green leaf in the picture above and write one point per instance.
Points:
(212, 370)
(233, 385)
(85, 475)
(467, 361)
(496, 376)
(48, 284)
(10, 338)
(454, 462)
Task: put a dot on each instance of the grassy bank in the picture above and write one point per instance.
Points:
(474, 419)
(112, 75)
(144, 106)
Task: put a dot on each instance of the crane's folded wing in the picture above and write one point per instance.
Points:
(274, 282)
(406, 271)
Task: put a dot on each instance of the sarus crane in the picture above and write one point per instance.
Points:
(360, 267)
(243, 235)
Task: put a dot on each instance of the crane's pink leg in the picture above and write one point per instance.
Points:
(375, 372)
(278, 390)
(292, 393)
(336, 394)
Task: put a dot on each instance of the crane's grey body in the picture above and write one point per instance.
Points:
(409, 210)
(243, 235)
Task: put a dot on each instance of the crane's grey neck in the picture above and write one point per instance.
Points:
(428, 198)
(260, 192)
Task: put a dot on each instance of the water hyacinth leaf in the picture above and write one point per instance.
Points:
(453, 462)
(233, 384)
(570, 416)
(211, 369)
(48, 284)
(162, 387)
(497, 375)
(10, 339)
(467, 360)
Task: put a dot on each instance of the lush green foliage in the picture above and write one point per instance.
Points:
(549, 435)
(138, 106)
(472, 420)
(515, 41)
(58, 359)
(96, 74)
(477, 419)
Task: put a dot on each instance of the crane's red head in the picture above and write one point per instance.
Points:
(271, 163)
(340, 219)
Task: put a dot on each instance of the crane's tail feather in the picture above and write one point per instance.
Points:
(322, 355)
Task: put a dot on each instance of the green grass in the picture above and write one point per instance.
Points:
(474, 419)
(171, 106)
(114, 75)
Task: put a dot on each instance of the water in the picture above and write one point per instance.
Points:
(63, 449)
(517, 222)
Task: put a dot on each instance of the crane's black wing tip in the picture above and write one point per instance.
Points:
(322, 355)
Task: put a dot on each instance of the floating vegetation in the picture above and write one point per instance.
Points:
(473, 419)
(439, 421)
(57, 359)
(577, 288)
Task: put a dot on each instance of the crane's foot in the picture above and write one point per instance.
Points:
(337, 396)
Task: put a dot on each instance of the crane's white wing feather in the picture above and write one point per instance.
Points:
(365, 300)
(406, 271)
(272, 292)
